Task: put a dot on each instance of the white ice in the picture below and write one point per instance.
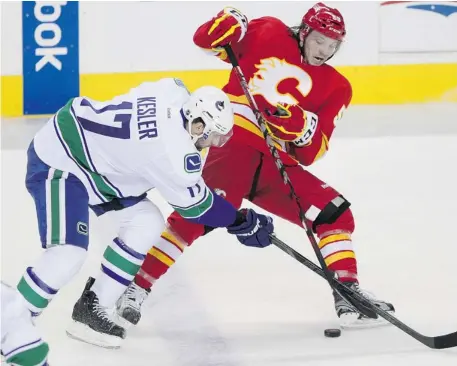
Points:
(226, 305)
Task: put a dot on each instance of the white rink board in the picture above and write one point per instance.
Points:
(134, 36)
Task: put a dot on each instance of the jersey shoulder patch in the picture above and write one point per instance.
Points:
(192, 163)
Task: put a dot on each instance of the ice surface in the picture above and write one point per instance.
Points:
(226, 305)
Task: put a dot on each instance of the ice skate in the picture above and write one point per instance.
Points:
(350, 317)
(128, 306)
(92, 323)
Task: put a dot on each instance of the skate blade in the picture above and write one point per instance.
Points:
(83, 333)
(352, 321)
(122, 322)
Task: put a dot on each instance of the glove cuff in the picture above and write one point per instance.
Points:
(310, 130)
(240, 218)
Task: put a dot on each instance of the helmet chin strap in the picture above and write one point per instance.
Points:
(188, 126)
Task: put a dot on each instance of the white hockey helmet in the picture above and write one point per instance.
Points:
(211, 106)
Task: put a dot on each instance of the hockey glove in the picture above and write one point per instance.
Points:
(229, 26)
(254, 231)
(285, 122)
(291, 123)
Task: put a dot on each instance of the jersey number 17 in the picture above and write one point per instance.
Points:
(119, 126)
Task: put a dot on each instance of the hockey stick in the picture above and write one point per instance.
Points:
(361, 306)
(365, 306)
(439, 342)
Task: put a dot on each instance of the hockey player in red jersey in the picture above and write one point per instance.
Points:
(302, 98)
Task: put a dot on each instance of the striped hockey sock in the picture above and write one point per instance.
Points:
(338, 252)
(119, 266)
(159, 259)
(36, 293)
(31, 354)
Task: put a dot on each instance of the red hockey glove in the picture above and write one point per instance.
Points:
(286, 122)
(229, 26)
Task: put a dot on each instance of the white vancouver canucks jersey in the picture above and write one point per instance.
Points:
(128, 145)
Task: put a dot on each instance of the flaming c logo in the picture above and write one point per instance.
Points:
(271, 72)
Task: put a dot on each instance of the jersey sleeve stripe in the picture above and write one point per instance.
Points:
(205, 196)
(221, 213)
(72, 137)
(198, 209)
(67, 151)
(86, 150)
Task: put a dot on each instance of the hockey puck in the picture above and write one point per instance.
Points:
(332, 333)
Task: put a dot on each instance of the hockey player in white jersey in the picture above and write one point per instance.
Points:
(106, 156)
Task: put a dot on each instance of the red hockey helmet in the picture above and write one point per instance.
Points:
(325, 20)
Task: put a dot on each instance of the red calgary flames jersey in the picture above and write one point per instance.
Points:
(273, 65)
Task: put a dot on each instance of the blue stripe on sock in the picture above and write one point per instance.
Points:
(23, 346)
(115, 276)
(128, 250)
(40, 283)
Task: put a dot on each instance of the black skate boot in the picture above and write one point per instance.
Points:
(350, 317)
(92, 323)
(128, 306)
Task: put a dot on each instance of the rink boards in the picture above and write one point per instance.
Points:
(374, 84)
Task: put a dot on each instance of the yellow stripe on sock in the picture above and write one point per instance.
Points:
(170, 237)
(339, 256)
(161, 257)
(333, 238)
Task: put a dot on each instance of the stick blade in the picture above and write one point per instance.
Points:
(444, 341)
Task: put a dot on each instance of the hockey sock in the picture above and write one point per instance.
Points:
(35, 353)
(55, 268)
(119, 266)
(21, 339)
(338, 252)
(159, 259)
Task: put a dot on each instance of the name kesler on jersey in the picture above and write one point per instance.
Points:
(192, 163)
(147, 117)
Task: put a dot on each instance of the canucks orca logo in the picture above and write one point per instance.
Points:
(220, 105)
(82, 228)
(192, 163)
(443, 9)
